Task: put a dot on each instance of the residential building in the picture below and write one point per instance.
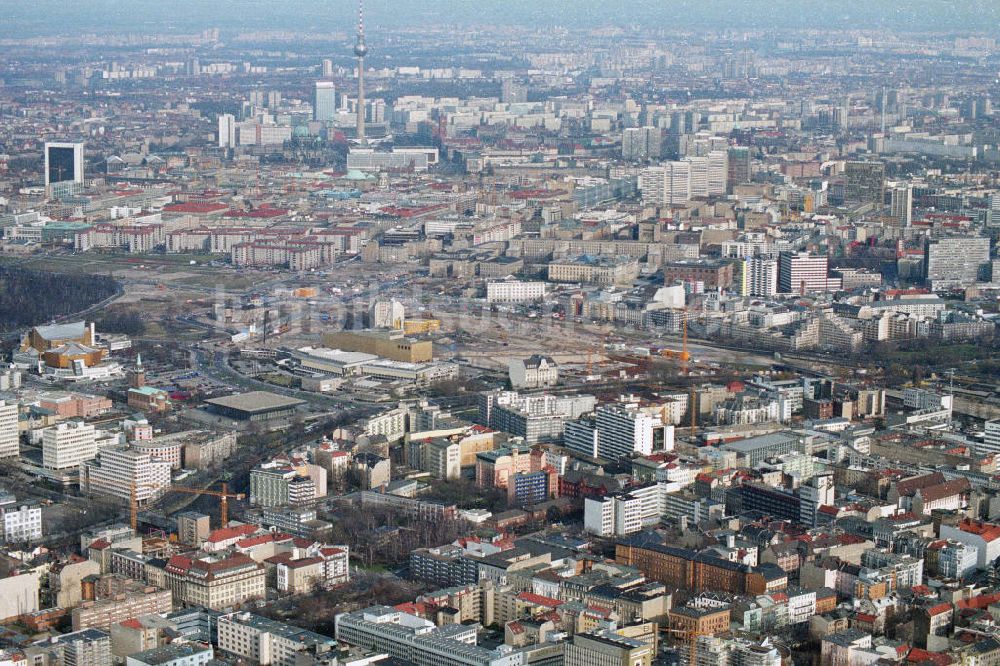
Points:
(173, 654)
(668, 184)
(10, 446)
(193, 528)
(802, 273)
(606, 648)
(131, 599)
(984, 537)
(268, 642)
(536, 418)
(88, 647)
(642, 143)
(125, 474)
(68, 445)
(761, 276)
(18, 594)
(901, 204)
(956, 261)
(277, 484)
(514, 291)
(865, 183)
(22, 524)
(386, 313)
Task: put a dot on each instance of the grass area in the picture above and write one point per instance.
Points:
(219, 278)
(154, 330)
(93, 263)
(278, 379)
(937, 355)
(371, 568)
(181, 259)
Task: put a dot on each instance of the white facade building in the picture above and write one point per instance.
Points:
(67, 445)
(623, 430)
(991, 438)
(22, 524)
(625, 513)
(265, 641)
(10, 446)
(386, 313)
(227, 130)
(536, 371)
(762, 276)
(666, 185)
(118, 471)
(514, 291)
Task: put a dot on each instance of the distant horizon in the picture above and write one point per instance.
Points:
(56, 17)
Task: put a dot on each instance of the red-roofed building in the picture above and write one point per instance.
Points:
(216, 582)
(262, 546)
(224, 537)
(539, 600)
(979, 602)
(927, 658)
(263, 212)
(510, 606)
(197, 209)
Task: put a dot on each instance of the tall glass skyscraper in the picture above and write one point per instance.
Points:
(324, 101)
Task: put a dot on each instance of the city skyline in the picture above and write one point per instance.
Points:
(55, 16)
(524, 333)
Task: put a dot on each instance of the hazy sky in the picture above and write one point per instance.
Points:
(21, 17)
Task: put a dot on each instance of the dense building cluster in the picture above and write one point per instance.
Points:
(507, 346)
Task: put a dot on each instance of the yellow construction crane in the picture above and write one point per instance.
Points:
(224, 496)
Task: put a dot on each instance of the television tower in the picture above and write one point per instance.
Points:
(360, 51)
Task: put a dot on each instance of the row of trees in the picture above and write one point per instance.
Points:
(385, 538)
(121, 320)
(29, 297)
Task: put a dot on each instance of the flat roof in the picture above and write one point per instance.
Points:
(334, 355)
(760, 442)
(255, 401)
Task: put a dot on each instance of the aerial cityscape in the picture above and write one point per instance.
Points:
(554, 333)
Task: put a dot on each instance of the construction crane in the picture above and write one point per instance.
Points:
(224, 496)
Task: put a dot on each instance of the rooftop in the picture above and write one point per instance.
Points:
(168, 654)
(62, 331)
(255, 401)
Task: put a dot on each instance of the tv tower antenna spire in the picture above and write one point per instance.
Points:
(360, 51)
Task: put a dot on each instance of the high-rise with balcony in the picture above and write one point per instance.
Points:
(955, 261)
(802, 273)
(10, 446)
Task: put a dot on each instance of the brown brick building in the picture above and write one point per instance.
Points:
(698, 572)
(690, 622)
(714, 274)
